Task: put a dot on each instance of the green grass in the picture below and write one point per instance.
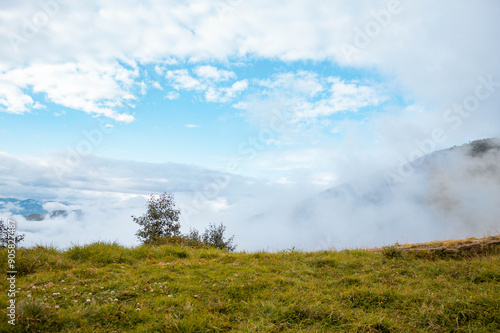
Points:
(177, 288)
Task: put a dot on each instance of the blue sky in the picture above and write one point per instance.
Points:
(300, 95)
(176, 121)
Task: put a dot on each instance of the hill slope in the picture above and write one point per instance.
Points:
(173, 288)
(448, 193)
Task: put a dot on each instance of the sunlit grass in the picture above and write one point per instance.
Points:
(105, 287)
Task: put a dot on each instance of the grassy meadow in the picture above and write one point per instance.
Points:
(105, 287)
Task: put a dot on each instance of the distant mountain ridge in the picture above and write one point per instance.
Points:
(381, 189)
(33, 209)
(455, 191)
(22, 207)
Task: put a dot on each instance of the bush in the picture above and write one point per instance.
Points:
(33, 312)
(194, 235)
(213, 236)
(161, 219)
(392, 252)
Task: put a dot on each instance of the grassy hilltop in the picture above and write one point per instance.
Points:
(453, 287)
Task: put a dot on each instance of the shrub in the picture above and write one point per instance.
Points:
(392, 252)
(194, 235)
(32, 313)
(214, 236)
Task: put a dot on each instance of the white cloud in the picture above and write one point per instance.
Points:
(192, 126)
(342, 97)
(225, 94)
(284, 181)
(208, 79)
(213, 73)
(236, 88)
(8, 207)
(52, 206)
(39, 106)
(324, 179)
(424, 47)
(62, 173)
(156, 85)
(182, 80)
(218, 205)
(160, 70)
(308, 95)
(90, 87)
(13, 99)
(303, 83)
(172, 95)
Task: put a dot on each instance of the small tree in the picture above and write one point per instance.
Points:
(5, 234)
(214, 236)
(160, 220)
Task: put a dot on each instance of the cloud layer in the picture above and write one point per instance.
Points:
(454, 193)
(435, 52)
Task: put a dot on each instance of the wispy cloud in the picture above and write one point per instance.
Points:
(172, 95)
(212, 73)
(310, 97)
(207, 80)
